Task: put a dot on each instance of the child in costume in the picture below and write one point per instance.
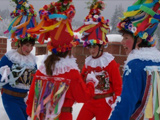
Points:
(57, 83)
(140, 94)
(101, 63)
(18, 66)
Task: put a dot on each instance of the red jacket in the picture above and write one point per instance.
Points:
(78, 91)
(107, 72)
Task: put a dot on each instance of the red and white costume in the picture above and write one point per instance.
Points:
(110, 85)
(66, 69)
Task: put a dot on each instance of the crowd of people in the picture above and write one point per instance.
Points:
(58, 83)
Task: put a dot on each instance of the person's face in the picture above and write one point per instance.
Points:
(25, 49)
(93, 49)
(127, 42)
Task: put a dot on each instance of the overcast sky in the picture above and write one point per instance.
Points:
(80, 5)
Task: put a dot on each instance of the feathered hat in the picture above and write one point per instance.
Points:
(95, 26)
(56, 24)
(142, 19)
(24, 17)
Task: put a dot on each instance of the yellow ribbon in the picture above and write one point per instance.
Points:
(158, 85)
(131, 13)
(32, 115)
(105, 26)
(149, 106)
(46, 29)
(96, 5)
(149, 1)
(104, 31)
(69, 29)
(59, 91)
(86, 28)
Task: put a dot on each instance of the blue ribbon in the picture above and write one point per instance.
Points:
(57, 16)
(137, 7)
(154, 21)
(157, 16)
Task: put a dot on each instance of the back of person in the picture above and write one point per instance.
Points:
(57, 84)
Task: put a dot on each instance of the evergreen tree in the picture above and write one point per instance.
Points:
(118, 13)
(157, 37)
(5, 14)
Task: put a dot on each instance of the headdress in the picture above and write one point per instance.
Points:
(56, 24)
(24, 17)
(142, 19)
(95, 26)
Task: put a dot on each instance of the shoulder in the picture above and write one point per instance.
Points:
(134, 67)
(5, 61)
(15, 57)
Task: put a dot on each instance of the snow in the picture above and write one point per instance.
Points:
(76, 106)
(3, 115)
(114, 37)
(111, 37)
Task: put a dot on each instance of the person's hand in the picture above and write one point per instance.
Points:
(29, 118)
(113, 103)
(4, 71)
(92, 78)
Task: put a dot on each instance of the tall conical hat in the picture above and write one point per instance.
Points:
(95, 26)
(142, 19)
(56, 24)
(24, 17)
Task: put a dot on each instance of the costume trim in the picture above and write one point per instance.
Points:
(149, 108)
(29, 61)
(102, 61)
(62, 66)
(144, 54)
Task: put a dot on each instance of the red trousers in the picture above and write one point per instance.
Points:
(65, 116)
(95, 108)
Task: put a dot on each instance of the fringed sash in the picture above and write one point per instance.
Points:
(150, 106)
(49, 97)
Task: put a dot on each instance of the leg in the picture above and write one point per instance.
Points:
(85, 113)
(15, 107)
(103, 112)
